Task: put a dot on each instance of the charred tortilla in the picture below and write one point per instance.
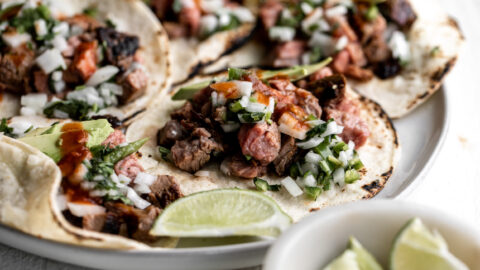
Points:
(378, 154)
(121, 36)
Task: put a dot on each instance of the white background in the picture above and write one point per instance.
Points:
(453, 182)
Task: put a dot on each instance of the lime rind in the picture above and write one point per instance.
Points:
(222, 212)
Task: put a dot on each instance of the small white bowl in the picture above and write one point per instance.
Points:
(318, 239)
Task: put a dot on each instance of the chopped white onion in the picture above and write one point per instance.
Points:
(83, 209)
(244, 101)
(312, 157)
(61, 202)
(102, 75)
(255, 107)
(59, 86)
(313, 142)
(310, 181)
(142, 189)
(113, 88)
(26, 111)
(351, 145)
(88, 95)
(281, 33)
(291, 187)
(399, 45)
(309, 167)
(221, 100)
(57, 76)
(224, 19)
(98, 193)
(211, 6)
(245, 88)
(341, 43)
(145, 178)
(342, 156)
(243, 14)
(339, 10)
(3, 26)
(60, 114)
(214, 98)
(208, 23)
(332, 128)
(306, 8)
(40, 27)
(19, 127)
(316, 122)
(60, 43)
(61, 29)
(137, 200)
(339, 176)
(50, 60)
(230, 127)
(16, 39)
(7, 4)
(123, 179)
(271, 105)
(35, 102)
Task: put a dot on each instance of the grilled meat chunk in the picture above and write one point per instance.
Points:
(239, 167)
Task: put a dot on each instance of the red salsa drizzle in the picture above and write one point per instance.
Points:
(74, 151)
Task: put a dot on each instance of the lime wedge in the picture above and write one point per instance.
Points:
(365, 260)
(222, 212)
(355, 257)
(416, 248)
(346, 261)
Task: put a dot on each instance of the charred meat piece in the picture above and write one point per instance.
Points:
(113, 120)
(129, 166)
(120, 48)
(85, 60)
(40, 81)
(190, 17)
(288, 53)
(260, 141)
(308, 102)
(15, 68)
(94, 222)
(399, 11)
(376, 50)
(161, 7)
(184, 113)
(365, 28)
(239, 167)
(170, 133)
(346, 114)
(329, 90)
(358, 73)
(286, 155)
(190, 155)
(164, 191)
(134, 85)
(388, 68)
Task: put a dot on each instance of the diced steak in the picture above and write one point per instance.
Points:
(261, 141)
(289, 53)
(134, 85)
(191, 155)
(286, 155)
(399, 11)
(239, 167)
(322, 73)
(183, 113)
(94, 222)
(164, 191)
(40, 81)
(358, 73)
(115, 138)
(85, 60)
(329, 90)
(145, 218)
(129, 166)
(190, 17)
(307, 101)
(343, 28)
(347, 115)
(87, 23)
(376, 50)
(357, 57)
(170, 133)
(120, 48)
(15, 68)
(388, 68)
(269, 13)
(341, 61)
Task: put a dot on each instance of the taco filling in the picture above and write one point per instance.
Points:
(104, 187)
(255, 124)
(201, 19)
(67, 67)
(365, 38)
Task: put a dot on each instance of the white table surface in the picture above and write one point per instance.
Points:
(452, 184)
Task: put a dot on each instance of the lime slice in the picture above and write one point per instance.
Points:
(222, 212)
(346, 261)
(416, 248)
(355, 257)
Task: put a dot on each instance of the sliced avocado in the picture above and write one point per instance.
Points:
(50, 142)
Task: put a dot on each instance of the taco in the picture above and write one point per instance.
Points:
(307, 143)
(77, 59)
(81, 183)
(396, 52)
(202, 31)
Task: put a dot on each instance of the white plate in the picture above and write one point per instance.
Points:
(319, 238)
(421, 134)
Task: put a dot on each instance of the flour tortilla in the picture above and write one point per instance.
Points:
(417, 82)
(132, 17)
(29, 182)
(379, 155)
(189, 54)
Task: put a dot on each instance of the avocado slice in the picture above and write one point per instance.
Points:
(48, 139)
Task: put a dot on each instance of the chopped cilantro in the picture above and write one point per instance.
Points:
(76, 109)
(263, 185)
(5, 129)
(91, 11)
